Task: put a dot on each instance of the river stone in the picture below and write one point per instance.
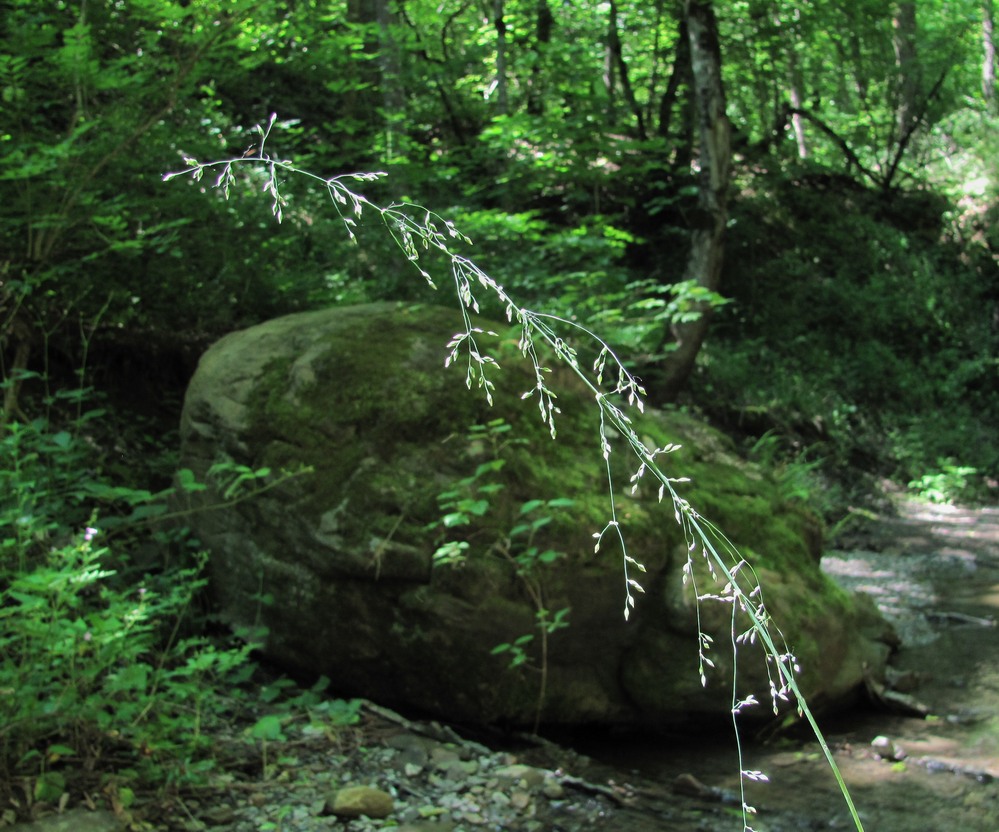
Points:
(354, 801)
(338, 564)
(519, 774)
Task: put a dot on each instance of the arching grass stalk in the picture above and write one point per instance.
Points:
(760, 627)
(417, 229)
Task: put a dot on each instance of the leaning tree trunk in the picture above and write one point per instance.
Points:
(502, 103)
(713, 160)
(989, 61)
(907, 66)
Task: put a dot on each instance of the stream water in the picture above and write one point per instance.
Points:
(934, 572)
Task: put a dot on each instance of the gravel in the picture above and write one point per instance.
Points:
(427, 783)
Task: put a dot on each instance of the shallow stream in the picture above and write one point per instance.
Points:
(934, 572)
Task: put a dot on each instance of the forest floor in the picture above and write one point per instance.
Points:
(933, 571)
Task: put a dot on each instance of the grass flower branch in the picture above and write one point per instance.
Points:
(616, 393)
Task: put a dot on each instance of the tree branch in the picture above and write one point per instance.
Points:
(838, 140)
(910, 131)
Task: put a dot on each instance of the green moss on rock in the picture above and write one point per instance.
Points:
(361, 395)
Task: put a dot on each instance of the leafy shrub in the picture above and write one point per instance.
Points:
(949, 483)
(106, 671)
(96, 659)
(85, 664)
(857, 324)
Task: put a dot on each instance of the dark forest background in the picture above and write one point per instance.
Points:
(853, 281)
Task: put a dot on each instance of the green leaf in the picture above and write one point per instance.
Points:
(267, 728)
(274, 690)
(489, 467)
(49, 786)
(476, 507)
(491, 488)
(550, 556)
(188, 482)
(145, 512)
(62, 439)
(345, 711)
(131, 678)
(28, 756)
(456, 518)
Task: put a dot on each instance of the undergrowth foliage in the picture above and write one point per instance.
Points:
(108, 682)
(617, 394)
(95, 660)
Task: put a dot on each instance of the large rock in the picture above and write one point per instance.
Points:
(338, 564)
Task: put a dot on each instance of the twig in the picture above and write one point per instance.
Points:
(433, 730)
(621, 795)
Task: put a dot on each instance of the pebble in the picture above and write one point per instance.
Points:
(886, 749)
(520, 800)
(524, 776)
(76, 820)
(410, 783)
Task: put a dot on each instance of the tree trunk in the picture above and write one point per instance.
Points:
(796, 84)
(390, 69)
(679, 75)
(502, 103)
(788, 28)
(545, 24)
(797, 103)
(713, 159)
(989, 62)
(361, 99)
(616, 56)
(381, 78)
(907, 66)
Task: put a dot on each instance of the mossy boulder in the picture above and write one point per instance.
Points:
(339, 565)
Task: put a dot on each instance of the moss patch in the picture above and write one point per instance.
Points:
(361, 395)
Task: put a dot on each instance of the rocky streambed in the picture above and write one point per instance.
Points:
(393, 773)
(923, 757)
